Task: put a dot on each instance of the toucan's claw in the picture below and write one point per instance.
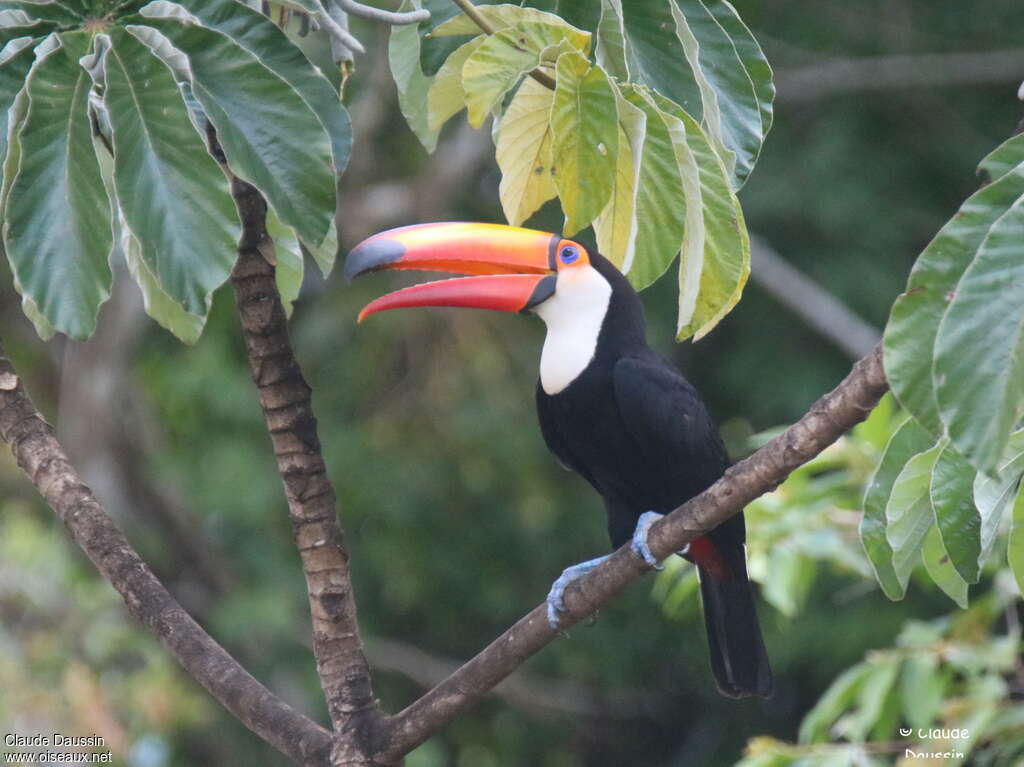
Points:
(556, 596)
(639, 544)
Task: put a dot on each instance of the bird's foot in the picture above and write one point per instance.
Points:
(639, 544)
(556, 596)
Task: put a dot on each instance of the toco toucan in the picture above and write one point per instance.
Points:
(610, 408)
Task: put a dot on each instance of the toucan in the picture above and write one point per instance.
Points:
(610, 408)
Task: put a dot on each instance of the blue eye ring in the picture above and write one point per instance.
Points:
(569, 254)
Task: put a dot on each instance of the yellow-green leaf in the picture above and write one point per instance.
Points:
(503, 16)
(502, 59)
(940, 568)
(524, 154)
(446, 95)
(1015, 549)
(584, 120)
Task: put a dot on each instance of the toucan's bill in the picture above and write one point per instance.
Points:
(513, 269)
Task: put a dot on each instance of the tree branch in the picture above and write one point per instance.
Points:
(43, 459)
(287, 409)
(829, 417)
(897, 71)
(819, 309)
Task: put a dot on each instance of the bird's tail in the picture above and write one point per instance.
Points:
(739, 659)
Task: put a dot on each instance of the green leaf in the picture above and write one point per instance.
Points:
(908, 514)
(940, 567)
(792, 575)
(993, 496)
(413, 86)
(908, 440)
(326, 253)
(910, 335)
(288, 260)
(719, 260)
(13, 72)
(505, 15)
(616, 227)
(35, 31)
(584, 123)
(871, 698)
(261, 37)
(271, 138)
(524, 153)
(836, 700)
(504, 58)
(157, 304)
(173, 194)
(54, 12)
(447, 96)
(922, 687)
(57, 230)
(734, 79)
(611, 41)
(958, 521)
(980, 386)
(660, 203)
(1015, 548)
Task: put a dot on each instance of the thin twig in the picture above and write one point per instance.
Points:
(395, 18)
(829, 418)
(336, 31)
(477, 18)
(43, 459)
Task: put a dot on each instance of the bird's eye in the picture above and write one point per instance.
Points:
(569, 254)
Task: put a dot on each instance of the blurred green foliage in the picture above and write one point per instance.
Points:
(458, 519)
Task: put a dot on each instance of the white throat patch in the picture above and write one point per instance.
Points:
(573, 315)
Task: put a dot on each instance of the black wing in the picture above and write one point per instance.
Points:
(671, 426)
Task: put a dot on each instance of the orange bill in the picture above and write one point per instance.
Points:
(513, 268)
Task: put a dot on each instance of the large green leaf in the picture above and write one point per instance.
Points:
(611, 40)
(497, 65)
(57, 231)
(13, 72)
(272, 139)
(616, 227)
(733, 76)
(660, 203)
(921, 689)
(55, 12)
(993, 496)
(584, 124)
(908, 514)
(173, 194)
(908, 440)
(980, 386)
(956, 517)
(1015, 548)
(157, 304)
(261, 37)
(413, 85)
(524, 154)
(914, 322)
(940, 567)
(724, 255)
(35, 31)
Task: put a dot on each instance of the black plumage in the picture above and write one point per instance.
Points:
(638, 432)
